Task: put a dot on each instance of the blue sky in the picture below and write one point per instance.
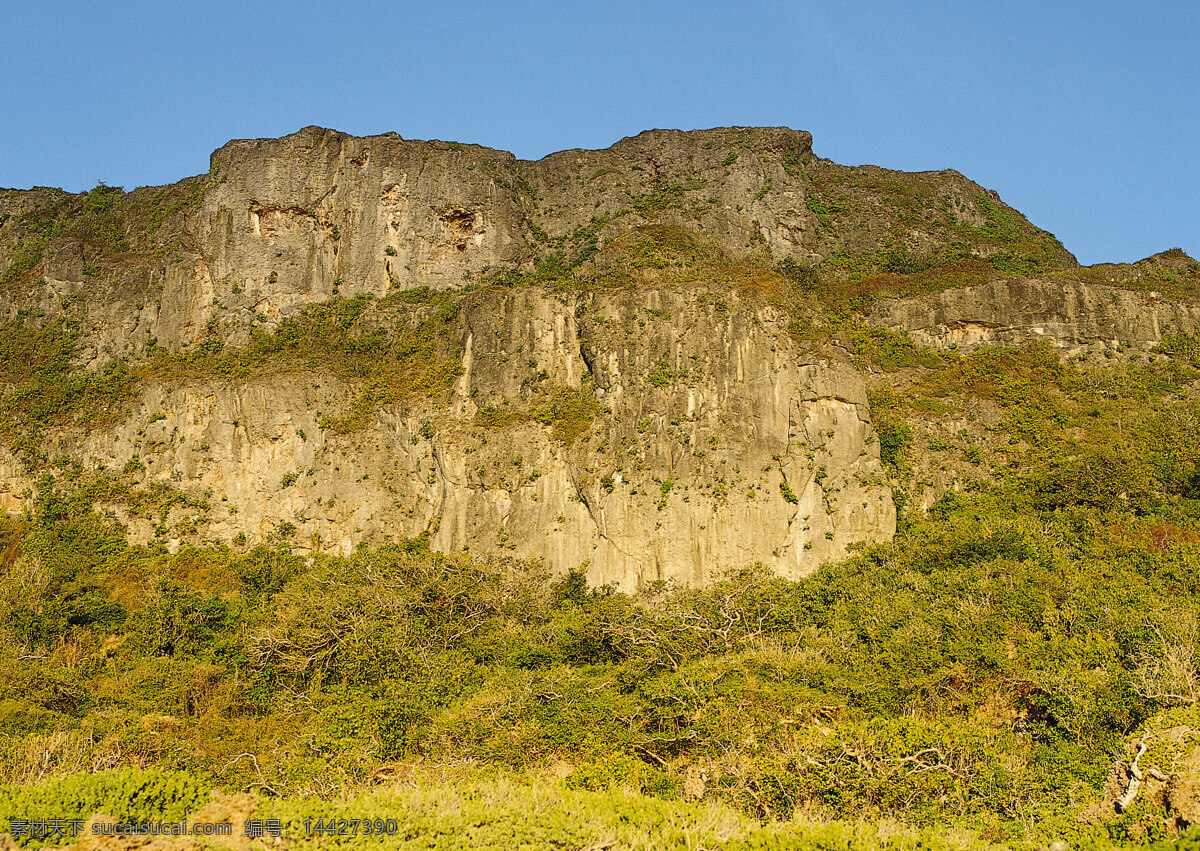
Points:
(1085, 116)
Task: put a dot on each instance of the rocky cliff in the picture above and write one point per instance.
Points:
(749, 450)
(1063, 311)
(594, 359)
(280, 223)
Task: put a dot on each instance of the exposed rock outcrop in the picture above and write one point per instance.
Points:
(652, 427)
(715, 444)
(1064, 312)
(280, 223)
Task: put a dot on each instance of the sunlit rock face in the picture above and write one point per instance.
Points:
(713, 444)
(668, 428)
(1063, 312)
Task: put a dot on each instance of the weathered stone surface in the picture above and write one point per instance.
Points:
(280, 223)
(675, 480)
(16, 485)
(292, 217)
(1061, 311)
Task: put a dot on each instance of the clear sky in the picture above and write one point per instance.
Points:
(1083, 115)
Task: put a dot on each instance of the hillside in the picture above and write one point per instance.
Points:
(319, 307)
(700, 475)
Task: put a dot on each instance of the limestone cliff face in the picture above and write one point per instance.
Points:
(289, 219)
(280, 223)
(715, 444)
(1064, 312)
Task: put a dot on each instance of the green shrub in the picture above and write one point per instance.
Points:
(570, 412)
(127, 795)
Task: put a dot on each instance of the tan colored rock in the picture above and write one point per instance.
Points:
(281, 223)
(16, 485)
(1063, 312)
(718, 444)
(1183, 792)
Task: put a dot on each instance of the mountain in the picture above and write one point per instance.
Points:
(647, 360)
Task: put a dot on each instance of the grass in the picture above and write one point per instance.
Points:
(859, 294)
(503, 812)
